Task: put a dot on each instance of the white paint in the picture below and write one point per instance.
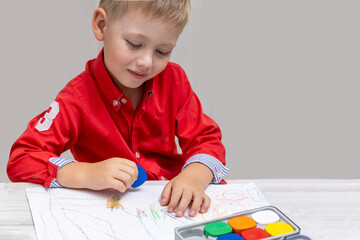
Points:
(265, 217)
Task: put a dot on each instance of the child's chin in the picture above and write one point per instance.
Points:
(134, 84)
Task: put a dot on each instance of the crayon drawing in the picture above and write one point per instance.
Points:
(137, 214)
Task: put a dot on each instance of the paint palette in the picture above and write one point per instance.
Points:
(261, 223)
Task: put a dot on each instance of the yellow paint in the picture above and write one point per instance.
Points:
(278, 228)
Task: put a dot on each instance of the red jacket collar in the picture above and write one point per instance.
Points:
(103, 80)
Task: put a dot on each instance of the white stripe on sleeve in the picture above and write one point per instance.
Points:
(59, 162)
(218, 169)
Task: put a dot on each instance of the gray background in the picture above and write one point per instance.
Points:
(280, 77)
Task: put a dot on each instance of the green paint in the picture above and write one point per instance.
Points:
(216, 229)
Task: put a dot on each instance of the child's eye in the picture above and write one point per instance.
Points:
(133, 45)
(163, 53)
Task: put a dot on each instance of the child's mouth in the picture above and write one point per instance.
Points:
(136, 75)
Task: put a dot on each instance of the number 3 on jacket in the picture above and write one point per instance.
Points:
(45, 122)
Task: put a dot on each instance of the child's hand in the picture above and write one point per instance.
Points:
(117, 173)
(188, 188)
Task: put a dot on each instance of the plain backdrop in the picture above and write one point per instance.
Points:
(280, 77)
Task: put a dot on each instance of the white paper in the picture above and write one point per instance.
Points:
(66, 214)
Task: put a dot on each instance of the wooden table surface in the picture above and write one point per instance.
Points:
(323, 209)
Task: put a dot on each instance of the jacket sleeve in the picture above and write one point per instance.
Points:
(47, 135)
(199, 136)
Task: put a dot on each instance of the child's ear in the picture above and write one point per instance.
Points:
(99, 22)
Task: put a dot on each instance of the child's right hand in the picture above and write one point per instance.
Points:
(117, 173)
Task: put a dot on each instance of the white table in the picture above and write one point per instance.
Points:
(323, 209)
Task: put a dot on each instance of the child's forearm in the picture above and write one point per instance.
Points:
(117, 173)
(74, 175)
(200, 173)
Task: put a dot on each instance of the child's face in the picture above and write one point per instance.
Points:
(136, 48)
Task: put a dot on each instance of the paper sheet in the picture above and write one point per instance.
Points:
(64, 214)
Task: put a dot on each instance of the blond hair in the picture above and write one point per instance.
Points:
(175, 11)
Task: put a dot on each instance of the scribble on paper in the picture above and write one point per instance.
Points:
(113, 202)
(137, 214)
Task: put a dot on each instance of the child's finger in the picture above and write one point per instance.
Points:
(205, 204)
(186, 198)
(195, 206)
(131, 164)
(174, 199)
(165, 195)
(130, 171)
(125, 178)
(118, 185)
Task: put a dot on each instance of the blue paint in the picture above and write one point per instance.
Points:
(141, 177)
(230, 236)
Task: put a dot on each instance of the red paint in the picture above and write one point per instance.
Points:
(254, 234)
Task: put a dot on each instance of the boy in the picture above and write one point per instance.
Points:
(125, 109)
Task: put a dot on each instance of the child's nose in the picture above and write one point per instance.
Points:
(145, 61)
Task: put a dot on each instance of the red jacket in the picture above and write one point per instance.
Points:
(93, 119)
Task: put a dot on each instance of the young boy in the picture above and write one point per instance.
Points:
(125, 109)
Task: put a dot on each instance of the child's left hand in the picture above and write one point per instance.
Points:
(188, 187)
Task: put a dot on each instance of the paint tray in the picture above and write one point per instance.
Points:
(196, 231)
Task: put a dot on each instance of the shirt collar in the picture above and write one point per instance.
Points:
(104, 82)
